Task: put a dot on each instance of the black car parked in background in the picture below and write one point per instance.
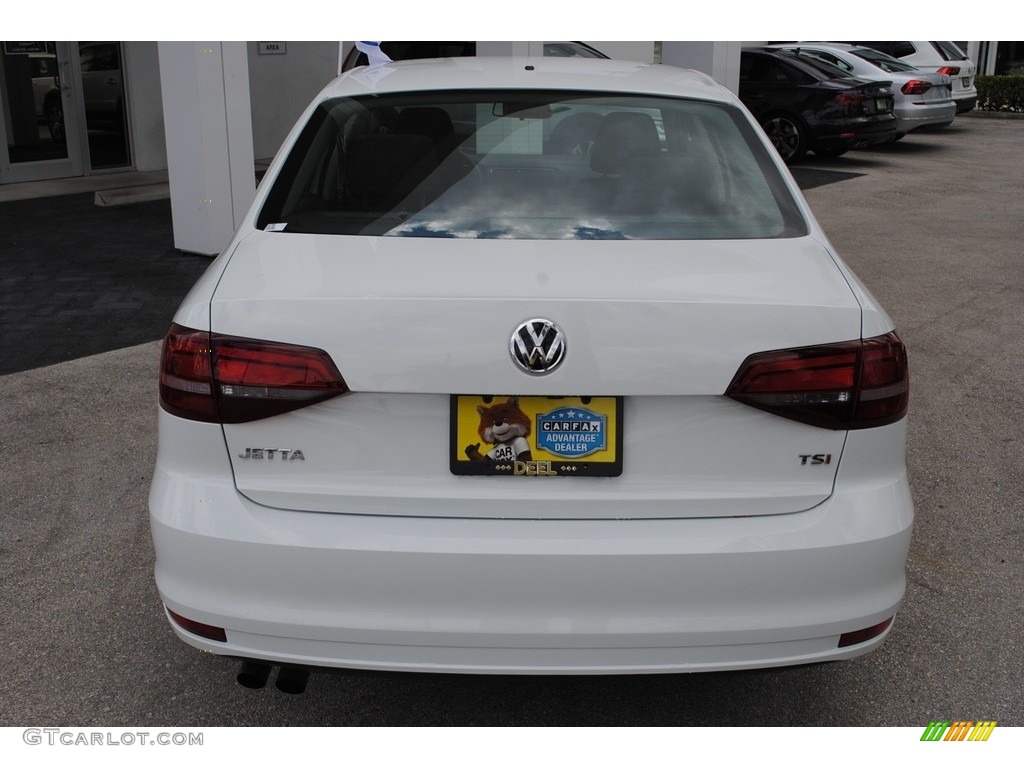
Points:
(804, 106)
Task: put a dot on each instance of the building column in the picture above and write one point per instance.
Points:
(208, 126)
(522, 49)
(721, 60)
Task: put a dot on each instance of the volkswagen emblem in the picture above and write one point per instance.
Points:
(537, 346)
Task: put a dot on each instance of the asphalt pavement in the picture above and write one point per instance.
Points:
(932, 224)
(77, 279)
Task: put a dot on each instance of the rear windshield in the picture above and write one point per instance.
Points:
(530, 165)
(882, 60)
(949, 51)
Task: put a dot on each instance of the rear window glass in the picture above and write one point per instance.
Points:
(883, 61)
(949, 51)
(824, 57)
(530, 165)
(897, 48)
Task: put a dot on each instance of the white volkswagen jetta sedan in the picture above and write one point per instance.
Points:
(530, 366)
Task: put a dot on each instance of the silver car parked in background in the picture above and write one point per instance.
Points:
(921, 98)
(940, 56)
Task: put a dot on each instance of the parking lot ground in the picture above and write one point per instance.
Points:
(77, 279)
(931, 224)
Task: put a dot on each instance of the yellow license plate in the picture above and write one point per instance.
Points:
(531, 436)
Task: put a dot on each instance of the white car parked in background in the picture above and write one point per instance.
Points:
(921, 99)
(530, 366)
(940, 56)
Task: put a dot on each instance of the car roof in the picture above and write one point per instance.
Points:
(535, 73)
(822, 44)
(842, 47)
(907, 69)
(794, 48)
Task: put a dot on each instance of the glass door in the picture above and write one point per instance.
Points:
(103, 92)
(40, 131)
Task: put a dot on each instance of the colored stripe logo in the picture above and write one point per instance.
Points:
(959, 730)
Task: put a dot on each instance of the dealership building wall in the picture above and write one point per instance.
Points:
(280, 88)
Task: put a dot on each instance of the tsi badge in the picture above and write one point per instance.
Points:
(815, 458)
(572, 432)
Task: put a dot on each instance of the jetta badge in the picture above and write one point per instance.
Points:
(537, 346)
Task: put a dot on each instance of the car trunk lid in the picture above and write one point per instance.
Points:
(664, 326)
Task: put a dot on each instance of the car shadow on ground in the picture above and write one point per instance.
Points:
(809, 178)
(906, 147)
(870, 158)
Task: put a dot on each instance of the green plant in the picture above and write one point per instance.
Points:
(1000, 93)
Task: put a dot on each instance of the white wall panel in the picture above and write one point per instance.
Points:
(208, 127)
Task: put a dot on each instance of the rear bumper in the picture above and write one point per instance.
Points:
(967, 103)
(533, 596)
(966, 98)
(910, 119)
(854, 134)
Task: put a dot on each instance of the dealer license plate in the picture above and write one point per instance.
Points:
(522, 436)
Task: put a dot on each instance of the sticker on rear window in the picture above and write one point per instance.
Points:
(275, 227)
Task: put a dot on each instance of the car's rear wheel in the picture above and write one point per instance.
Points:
(788, 135)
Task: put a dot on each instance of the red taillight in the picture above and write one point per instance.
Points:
(863, 635)
(227, 379)
(208, 631)
(915, 87)
(850, 99)
(949, 71)
(257, 379)
(884, 391)
(852, 385)
(186, 376)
